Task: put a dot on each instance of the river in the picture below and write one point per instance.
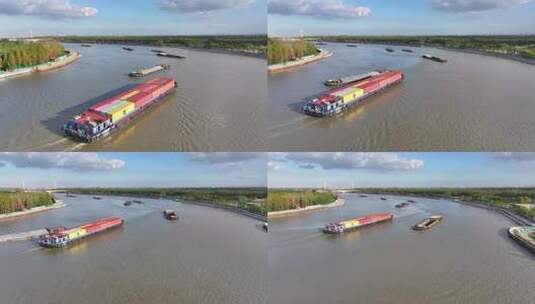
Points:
(470, 103)
(467, 258)
(208, 256)
(217, 106)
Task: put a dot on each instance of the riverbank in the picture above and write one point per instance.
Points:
(65, 60)
(58, 204)
(185, 201)
(282, 67)
(225, 207)
(284, 213)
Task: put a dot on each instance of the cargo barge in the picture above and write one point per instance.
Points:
(337, 100)
(359, 222)
(164, 54)
(111, 114)
(61, 236)
(148, 71)
(128, 49)
(402, 205)
(428, 223)
(170, 215)
(524, 235)
(349, 79)
(434, 58)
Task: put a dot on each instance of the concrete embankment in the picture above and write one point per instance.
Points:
(510, 215)
(228, 208)
(281, 67)
(22, 236)
(284, 213)
(68, 59)
(58, 204)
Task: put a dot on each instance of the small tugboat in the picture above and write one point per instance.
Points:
(389, 50)
(402, 205)
(407, 50)
(434, 58)
(265, 226)
(128, 49)
(428, 223)
(170, 215)
(127, 203)
(97, 197)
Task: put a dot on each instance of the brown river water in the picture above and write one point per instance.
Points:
(471, 103)
(208, 256)
(467, 258)
(217, 106)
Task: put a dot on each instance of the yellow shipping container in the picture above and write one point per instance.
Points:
(120, 109)
(350, 224)
(76, 233)
(350, 94)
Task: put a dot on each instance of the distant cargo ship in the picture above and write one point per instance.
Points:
(524, 235)
(352, 45)
(339, 99)
(402, 205)
(128, 49)
(61, 236)
(359, 222)
(112, 113)
(390, 50)
(407, 50)
(164, 54)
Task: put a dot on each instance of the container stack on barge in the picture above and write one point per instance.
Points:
(61, 236)
(337, 100)
(525, 236)
(111, 114)
(359, 222)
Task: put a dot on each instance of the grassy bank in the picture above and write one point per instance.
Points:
(278, 200)
(14, 201)
(508, 198)
(255, 44)
(522, 46)
(21, 54)
(248, 199)
(280, 51)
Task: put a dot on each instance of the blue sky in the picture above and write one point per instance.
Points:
(45, 170)
(401, 169)
(395, 17)
(132, 17)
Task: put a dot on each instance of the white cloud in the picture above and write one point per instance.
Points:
(195, 6)
(225, 157)
(351, 161)
(514, 156)
(317, 8)
(45, 8)
(474, 5)
(62, 160)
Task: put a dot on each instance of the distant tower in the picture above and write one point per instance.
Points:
(301, 33)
